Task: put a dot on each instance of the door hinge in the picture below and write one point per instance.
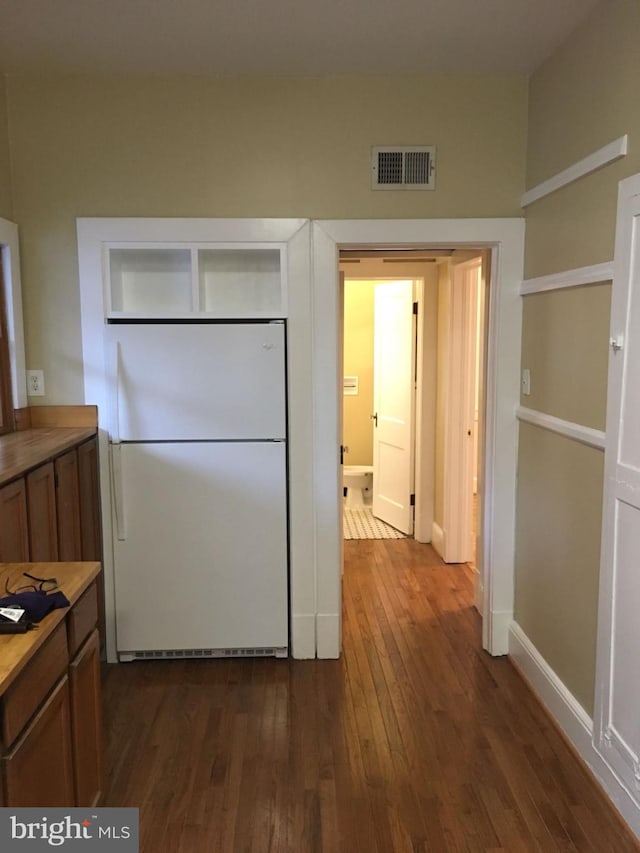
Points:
(412, 500)
(415, 307)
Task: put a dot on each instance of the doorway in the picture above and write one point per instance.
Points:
(379, 352)
(437, 381)
(504, 238)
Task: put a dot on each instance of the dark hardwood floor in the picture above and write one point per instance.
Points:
(416, 740)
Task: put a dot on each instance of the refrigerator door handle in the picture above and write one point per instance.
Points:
(118, 496)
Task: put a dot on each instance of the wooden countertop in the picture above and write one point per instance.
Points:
(16, 650)
(21, 451)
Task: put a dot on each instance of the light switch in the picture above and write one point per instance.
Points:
(350, 386)
(526, 382)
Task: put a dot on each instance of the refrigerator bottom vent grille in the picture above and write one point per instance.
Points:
(204, 653)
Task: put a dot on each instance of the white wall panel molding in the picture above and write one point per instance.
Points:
(607, 154)
(577, 432)
(569, 278)
(572, 719)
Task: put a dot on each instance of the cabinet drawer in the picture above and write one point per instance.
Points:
(32, 685)
(82, 619)
(39, 769)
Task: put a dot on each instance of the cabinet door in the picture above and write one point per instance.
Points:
(90, 526)
(41, 503)
(89, 500)
(39, 769)
(14, 536)
(68, 506)
(86, 728)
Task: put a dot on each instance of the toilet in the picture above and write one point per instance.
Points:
(357, 480)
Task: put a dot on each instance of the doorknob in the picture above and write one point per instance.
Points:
(374, 418)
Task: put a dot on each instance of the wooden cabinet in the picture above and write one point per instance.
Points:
(50, 493)
(89, 485)
(27, 692)
(14, 537)
(86, 717)
(52, 511)
(50, 705)
(68, 506)
(39, 768)
(53, 498)
(41, 503)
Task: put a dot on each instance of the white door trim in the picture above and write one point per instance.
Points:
(616, 634)
(92, 233)
(459, 402)
(505, 238)
(10, 259)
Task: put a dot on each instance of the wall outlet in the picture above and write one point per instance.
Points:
(35, 383)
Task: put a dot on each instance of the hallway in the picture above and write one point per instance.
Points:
(415, 741)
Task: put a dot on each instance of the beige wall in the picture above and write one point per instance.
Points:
(195, 146)
(558, 534)
(357, 430)
(565, 346)
(585, 96)
(6, 205)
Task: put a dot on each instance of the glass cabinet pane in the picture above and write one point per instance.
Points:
(150, 281)
(240, 283)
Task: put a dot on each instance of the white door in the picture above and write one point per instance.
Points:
(617, 725)
(201, 546)
(460, 400)
(393, 401)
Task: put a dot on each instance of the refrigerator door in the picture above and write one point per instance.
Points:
(202, 381)
(202, 559)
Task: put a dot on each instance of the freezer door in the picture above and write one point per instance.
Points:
(197, 381)
(202, 562)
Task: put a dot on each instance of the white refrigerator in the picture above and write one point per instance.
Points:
(199, 485)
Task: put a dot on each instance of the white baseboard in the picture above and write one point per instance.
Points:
(437, 538)
(303, 636)
(328, 636)
(572, 719)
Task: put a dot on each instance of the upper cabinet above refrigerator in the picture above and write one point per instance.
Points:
(195, 280)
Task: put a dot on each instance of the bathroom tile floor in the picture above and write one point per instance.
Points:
(360, 523)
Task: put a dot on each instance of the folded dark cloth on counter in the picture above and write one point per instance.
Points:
(36, 604)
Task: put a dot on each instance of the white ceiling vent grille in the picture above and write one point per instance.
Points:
(412, 167)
